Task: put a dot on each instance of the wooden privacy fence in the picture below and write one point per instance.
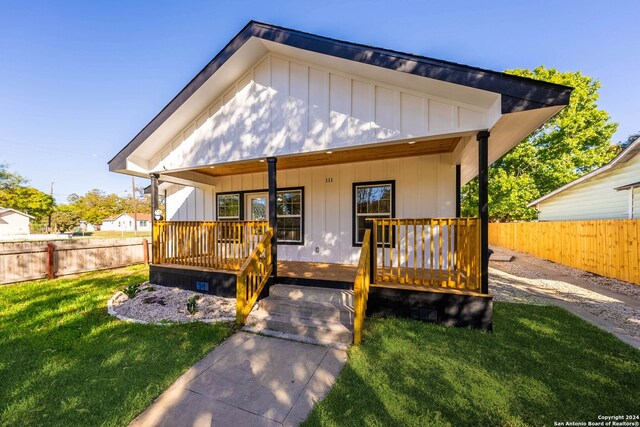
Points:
(606, 247)
(21, 261)
(209, 244)
(440, 252)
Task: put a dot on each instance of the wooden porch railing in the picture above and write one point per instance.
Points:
(361, 288)
(252, 277)
(435, 252)
(223, 245)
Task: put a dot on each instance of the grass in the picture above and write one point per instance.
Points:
(541, 365)
(64, 361)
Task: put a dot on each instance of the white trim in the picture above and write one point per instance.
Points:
(3, 210)
(625, 155)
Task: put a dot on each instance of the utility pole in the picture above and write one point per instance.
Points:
(135, 206)
(49, 223)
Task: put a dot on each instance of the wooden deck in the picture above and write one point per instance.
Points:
(317, 270)
(440, 280)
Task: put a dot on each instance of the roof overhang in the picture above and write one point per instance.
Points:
(624, 156)
(517, 95)
(4, 210)
(628, 186)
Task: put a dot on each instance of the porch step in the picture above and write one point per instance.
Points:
(320, 331)
(310, 310)
(312, 294)
(308, 314)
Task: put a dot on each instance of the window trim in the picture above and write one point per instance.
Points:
(302, 211)
(240, 206)
(354, 216)
(242, 196)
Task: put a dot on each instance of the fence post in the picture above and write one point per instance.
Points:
(51, 272)
(145, 251)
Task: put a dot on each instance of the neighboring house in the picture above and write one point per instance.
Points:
(87, 227)
(312, 136)
(13, 222)
(610, 192)
(125, 222)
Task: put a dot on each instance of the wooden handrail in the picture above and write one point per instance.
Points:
(222, 245)
(252, 277)
(361, 288)
(427, 252)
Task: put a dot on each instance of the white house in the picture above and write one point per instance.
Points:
(13, 222)
(309, 137)
(125, 222)
(609, 192)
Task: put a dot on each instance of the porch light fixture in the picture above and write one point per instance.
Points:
(411, 142)
(329, 152)
(212, 167)
(262, 160)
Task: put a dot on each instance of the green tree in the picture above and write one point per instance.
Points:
(65, 218)
(574, 142)
(630, 139)
(95, 205)
(15, 194)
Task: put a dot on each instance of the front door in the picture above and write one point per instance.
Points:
(257, 207)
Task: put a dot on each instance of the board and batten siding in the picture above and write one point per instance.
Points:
(281, 106)
(596, 198)
(425, 188)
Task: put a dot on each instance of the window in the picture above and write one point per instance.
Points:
(229, 207)
(371, 200)
(289, 211)
(143, 223)
(289, 214)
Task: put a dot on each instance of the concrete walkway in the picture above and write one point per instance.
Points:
(249, 380)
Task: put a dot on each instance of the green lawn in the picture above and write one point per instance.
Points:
(64, 361)
(542, 364)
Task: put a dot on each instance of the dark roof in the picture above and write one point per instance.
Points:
(518, 93)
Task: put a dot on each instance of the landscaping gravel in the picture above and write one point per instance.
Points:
(157, 304)
(528, 279)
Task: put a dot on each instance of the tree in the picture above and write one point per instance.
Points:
(95, 206)
(65, 218)
(15, 194)
(574, 142)
(630, 139)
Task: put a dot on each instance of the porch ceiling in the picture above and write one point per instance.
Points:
(349, 155)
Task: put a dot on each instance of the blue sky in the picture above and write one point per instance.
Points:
(78, 80)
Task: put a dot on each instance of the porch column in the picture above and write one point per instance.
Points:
(458, 210)
(483, 207)
(273, 214)
(154, 206)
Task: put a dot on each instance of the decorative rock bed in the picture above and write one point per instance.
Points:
(163, 305)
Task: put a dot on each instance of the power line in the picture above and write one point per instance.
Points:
(52, 149)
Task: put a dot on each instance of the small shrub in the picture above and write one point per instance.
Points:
(192, 304)
(150, 288)
(132, 290)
